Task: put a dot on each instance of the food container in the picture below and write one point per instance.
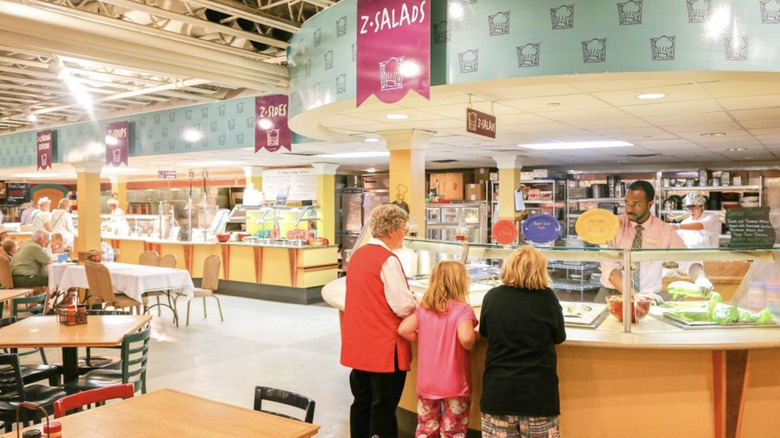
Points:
(318, 242)
(640, 306)
(242, 236)
(224, 237)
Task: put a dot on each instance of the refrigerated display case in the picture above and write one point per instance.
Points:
(443, 221)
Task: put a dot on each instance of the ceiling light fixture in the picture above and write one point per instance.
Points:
(649, 96)
(32, 118)
(712, 134)
(371, 170)
(397, 117)
(368, 154)
(371, 140)
(736, 149)
(576, 145)
(216, 164)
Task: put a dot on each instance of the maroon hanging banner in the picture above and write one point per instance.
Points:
(480, 123)
(393, 49)
(117, 140)
(271, 129)
(45, 148)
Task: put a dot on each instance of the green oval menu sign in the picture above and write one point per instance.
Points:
(750, 227)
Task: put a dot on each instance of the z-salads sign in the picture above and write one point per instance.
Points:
(393, 49)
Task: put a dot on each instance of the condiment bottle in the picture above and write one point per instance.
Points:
(53, 429)
(33, 433)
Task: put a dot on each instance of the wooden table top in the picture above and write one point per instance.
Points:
(46, 331)
(168, 413)
(7, 294)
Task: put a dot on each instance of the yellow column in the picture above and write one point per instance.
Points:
(119, 186)
(253, 175)
(509, 170)
(88, 192)
(407, 169)
(326, 199)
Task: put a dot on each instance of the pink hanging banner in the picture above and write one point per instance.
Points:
(117, 141)
(271, 129)
(45, 148)
(393, 49)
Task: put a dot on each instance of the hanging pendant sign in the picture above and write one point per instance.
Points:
(117, 141)
(480, 123)
(45, 148)
(271, 129)
(393, 49)
(166, 174)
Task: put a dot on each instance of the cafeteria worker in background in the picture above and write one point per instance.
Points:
(701, 229)
(640, 229)
(377, 300)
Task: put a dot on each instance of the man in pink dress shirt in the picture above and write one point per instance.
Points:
(655, 234)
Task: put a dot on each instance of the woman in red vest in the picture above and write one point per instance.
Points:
(378, 299)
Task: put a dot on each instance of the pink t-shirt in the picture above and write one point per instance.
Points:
(443, 367)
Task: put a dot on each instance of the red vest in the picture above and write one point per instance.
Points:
(369, 334)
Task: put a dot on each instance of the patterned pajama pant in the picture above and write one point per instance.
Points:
(448, 417)
(513, 426)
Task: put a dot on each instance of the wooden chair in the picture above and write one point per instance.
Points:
(6, 280)
(264, 393)
(13, 391)
(135, 353)
(102, 290)
(166, 261)
(209, 284)
(149, 258)
(76, 402)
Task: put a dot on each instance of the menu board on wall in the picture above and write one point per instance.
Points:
(302, 183)
(17, 193)
(750, 227)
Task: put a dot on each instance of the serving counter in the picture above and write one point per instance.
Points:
(276, 272)
(651, 378)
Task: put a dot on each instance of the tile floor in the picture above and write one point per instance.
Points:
(288, 346)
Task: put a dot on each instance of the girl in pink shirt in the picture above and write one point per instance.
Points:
(443, 327)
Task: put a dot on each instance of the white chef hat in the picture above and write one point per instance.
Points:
(112, 201)
(44, 200)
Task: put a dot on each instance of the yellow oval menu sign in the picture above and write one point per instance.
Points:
(597, 226)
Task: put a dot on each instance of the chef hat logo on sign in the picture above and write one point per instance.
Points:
(770, 11)
(499, 23)
(390, 73)
(594, 50)
(562, 17)
(630, 12)
(528, 55)
(662, 48)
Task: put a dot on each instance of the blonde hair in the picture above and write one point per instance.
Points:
(387, 218)
(449, 280)
(526, 268)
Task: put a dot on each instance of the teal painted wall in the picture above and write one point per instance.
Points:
(497, 39)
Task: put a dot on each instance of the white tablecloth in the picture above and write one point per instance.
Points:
(132, 280)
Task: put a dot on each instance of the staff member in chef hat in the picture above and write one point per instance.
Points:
(640, 229)
(701, 229)
(113, 206)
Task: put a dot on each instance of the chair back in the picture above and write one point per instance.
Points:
(265, 393)
(6, 280)
(149, 258)
(20, 309)
(99, 279)
(168, 261)
(76, 401)
(135, 354)
(211, 272)
(11, 372)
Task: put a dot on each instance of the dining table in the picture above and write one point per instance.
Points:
(130, 279)
(167, 413)
(48, 332)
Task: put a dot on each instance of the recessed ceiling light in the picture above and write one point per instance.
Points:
(32, 118)
(576, 145)
(371, 170)
(736, 149)
(215, 164)
(368, 154)
(712, 134)
(371, 140)
(397, 116)
(748, 158)
(651, 96)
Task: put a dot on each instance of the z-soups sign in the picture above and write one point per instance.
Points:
(480, 123)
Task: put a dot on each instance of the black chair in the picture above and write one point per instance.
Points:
(20, 310)
(264, 393)
(13, 391)
(135, 354)
(31, 372)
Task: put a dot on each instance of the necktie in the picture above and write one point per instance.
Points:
(637, 243)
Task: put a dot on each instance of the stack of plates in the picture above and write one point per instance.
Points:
(749, 201)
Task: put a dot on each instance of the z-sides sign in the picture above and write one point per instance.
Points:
(393, 49)
(271, 129)
(480, 123)
(45, 148)
(117, 140)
